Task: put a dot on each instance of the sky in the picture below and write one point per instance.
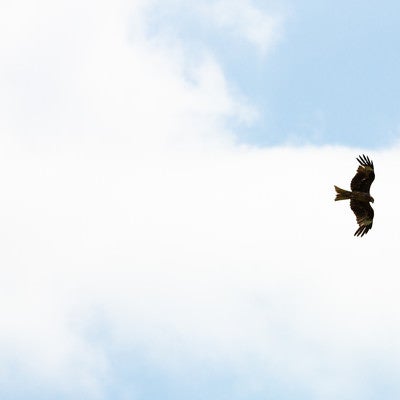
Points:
(168, 226)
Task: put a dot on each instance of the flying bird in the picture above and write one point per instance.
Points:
(359, 195)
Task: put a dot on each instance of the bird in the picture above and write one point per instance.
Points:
(359, 196)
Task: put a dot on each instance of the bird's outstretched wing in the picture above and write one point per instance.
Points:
(364, 214)
(365, 175)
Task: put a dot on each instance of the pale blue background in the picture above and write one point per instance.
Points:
(331, 79)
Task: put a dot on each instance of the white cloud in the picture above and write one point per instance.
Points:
(127, 205)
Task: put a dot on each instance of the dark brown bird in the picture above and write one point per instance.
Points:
(359, 195)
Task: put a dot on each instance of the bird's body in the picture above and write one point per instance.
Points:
(359, 195)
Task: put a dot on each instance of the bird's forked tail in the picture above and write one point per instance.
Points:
(342, 194)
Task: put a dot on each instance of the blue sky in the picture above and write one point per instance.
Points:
(331, 77)
(167, 216)
(336, 70)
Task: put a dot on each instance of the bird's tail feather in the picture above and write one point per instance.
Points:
(342, 194)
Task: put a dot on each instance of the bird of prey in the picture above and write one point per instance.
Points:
(359, 195)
